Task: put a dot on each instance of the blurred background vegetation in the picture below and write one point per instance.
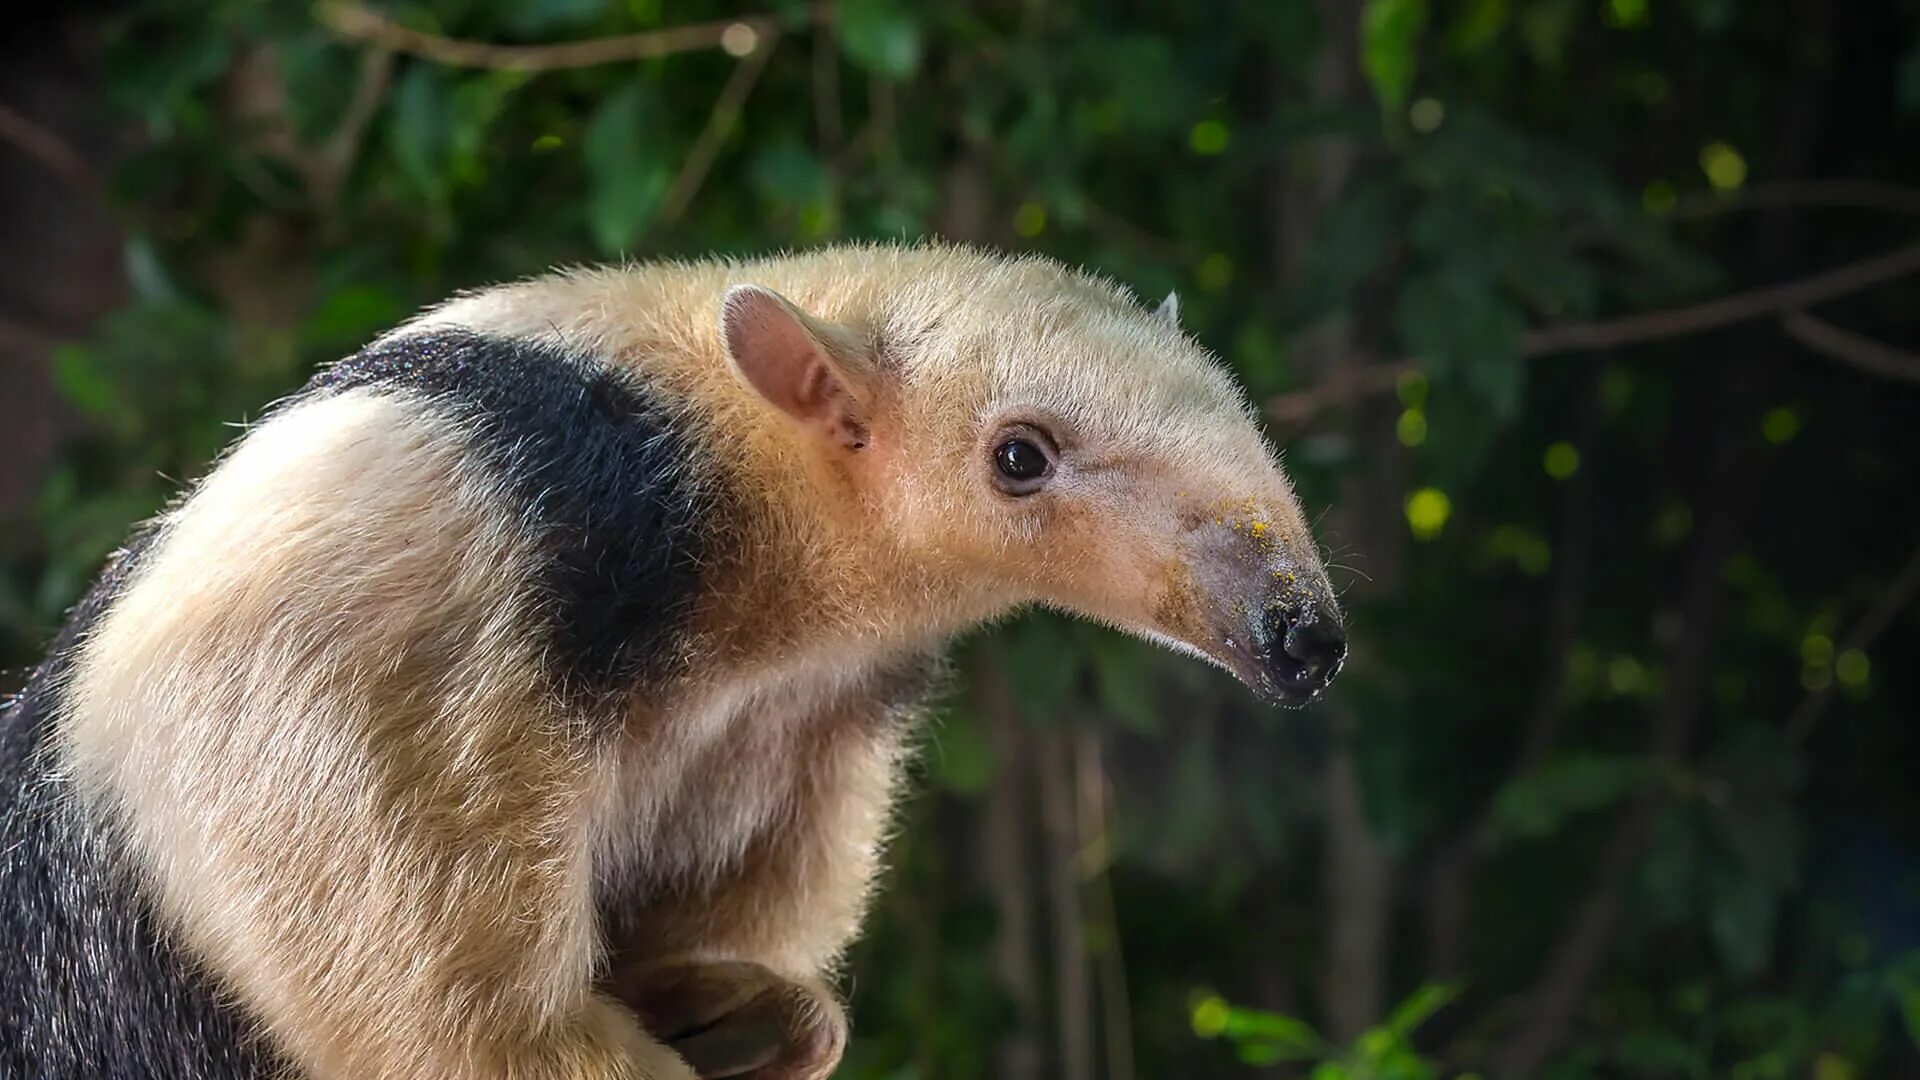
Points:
(1589, 324)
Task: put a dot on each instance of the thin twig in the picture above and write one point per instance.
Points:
(1116, 1009)
(1713, 314)
(337, 155)
(720, 124)
(1898, 595)
(47, 148)
(826, 86)
(1831, 194)
(357, 22)
(1130, 234)
(1850, 348)
(1627, 330)
(1346, 384)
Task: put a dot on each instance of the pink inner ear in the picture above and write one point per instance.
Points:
(775, 352)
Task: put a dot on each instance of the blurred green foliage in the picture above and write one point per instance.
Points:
(1105, 830)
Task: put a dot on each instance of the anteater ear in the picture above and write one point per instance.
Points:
(802, 366)
(1169, 310)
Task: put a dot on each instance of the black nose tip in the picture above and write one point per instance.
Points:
(1305, 650)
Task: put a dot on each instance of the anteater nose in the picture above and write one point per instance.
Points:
(1305, 649)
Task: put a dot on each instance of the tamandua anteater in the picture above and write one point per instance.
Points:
(524, 697)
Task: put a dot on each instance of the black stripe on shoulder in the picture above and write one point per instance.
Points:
(602, 472)
(90, 985)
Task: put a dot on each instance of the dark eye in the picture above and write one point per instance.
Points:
(1021, 465)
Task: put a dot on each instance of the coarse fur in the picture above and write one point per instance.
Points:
(574, 629)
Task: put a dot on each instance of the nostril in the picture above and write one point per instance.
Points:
(1305, 649)
(1318, 649)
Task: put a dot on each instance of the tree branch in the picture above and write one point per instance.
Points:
(1897, 596)
(1713, 314)
(1833, 194)
(1459, 859)
(1628, 330)
(328, 169)
(1850, 348)
(47, 148)
(357, 22)
(720, 124)
(1729, 479)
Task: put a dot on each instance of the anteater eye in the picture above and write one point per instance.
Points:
(1021, 465)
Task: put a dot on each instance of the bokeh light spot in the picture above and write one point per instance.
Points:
(1426, 115)
(1780, 425)
(1853, 668)
(1561, 460)
(1412, 428)
(1208, 137)
(1030, 220)
(1726, 170)
(1427, 512)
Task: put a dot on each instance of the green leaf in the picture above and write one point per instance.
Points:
(1741, 919)
(1265, 1038)
(882, 36)
(1124, 679)
(627, 181)
(422, 116)
(787, 172)
(1538, 803)
(960, 758)
(1419, 1007)
(1041, 665)
(78, 376)
(1468, 333)
(1348, 246)
(1389, 48)
(1477, 25)
(351, 314)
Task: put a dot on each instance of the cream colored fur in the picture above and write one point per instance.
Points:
(320, 713)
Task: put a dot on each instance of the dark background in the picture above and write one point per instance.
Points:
(1589, 324)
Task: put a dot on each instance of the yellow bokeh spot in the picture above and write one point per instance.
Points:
(1209, 1016)
(1412, 388)
(1780, 425)
(1412, 428)
(1831, 1066)
(1208, 137)
(1561, 460)
(1625, 675)
(1852, 668)
(1427, 512)
(1647, 87)
(1672, 524)
(1816, 648)
(816, 218)
(1426, 115)
(1726, 170)
(1626, 14)
(548, 142)
(1658, 198)
(1030, 220)
(1215, 272)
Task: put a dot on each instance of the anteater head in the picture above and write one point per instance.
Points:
(1042, 438)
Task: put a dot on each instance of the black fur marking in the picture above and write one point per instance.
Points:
(597, 470)
(89, 986)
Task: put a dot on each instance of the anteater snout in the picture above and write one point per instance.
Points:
(1304, 647)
